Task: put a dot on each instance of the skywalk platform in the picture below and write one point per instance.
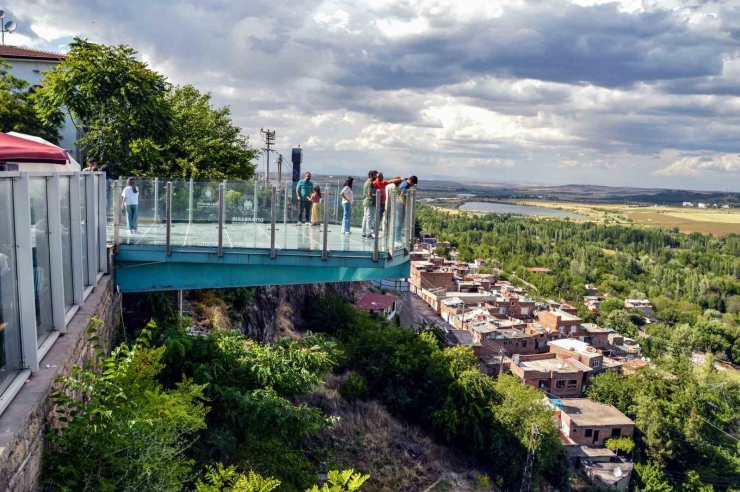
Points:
(195, 235)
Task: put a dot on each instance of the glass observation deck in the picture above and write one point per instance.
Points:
(56, 230)
(230, 225)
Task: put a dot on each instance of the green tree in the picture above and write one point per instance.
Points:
(17, 110)
(623, 444)
(126, 433)
(220, 479)
(117, 101)
(204, 142)
(620, 321)
(649, 477)
(611, 304)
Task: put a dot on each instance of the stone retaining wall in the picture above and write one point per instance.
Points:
(23, 424)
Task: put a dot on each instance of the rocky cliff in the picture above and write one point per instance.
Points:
(279, 311)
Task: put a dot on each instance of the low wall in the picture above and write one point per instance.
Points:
(23, 424)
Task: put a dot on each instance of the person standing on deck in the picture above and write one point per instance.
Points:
(130, 203)
(316, 206)
(303, 191)
(347, 197)
(368, 206)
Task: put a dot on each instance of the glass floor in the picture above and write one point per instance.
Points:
(290, 236)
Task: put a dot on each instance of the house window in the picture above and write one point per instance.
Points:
(572, 383)
(544, 383)
(616, 432)
(524, 343)
(560, 384)
(572, 329)
(596, 363)
(588, 432)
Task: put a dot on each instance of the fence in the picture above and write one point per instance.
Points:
(254, 214)
(52, 254)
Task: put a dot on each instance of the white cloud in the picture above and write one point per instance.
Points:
(701, 165)
(632, 92)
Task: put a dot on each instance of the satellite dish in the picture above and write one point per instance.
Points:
(560, 366)
(617, 472)
(2, 14)
(10, 26)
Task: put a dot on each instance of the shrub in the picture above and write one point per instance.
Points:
(354, 387)
(127, 433)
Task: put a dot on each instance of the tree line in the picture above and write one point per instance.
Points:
(128, 116)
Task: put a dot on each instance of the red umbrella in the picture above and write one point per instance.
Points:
(15, 149)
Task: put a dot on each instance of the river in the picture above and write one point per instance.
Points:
(507, 208)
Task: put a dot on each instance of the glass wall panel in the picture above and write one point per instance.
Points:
(65, 207)
(84, 228)
(41, 257)
(10, 332)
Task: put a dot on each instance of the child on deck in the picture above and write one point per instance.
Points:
(315, 208)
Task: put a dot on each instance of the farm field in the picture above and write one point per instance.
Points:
(712, 221)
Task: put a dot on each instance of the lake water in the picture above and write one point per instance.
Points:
(506, 208)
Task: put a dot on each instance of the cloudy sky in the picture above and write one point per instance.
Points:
(632, 92)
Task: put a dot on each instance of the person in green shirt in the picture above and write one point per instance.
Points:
(368, 204)
(303, 191)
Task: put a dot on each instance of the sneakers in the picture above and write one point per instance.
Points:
(368, 236)
(299, 223)
(130, 232)
(346, 234)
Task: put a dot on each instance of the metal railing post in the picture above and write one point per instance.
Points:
(376, 240)
(190, 202)
(255, 203)
(336, 203)
(285, 204)
(116, 215)
(168, 214)
(102, 224)
(54, 214)
(90, 233)
(273, 213)
(325, 249)
(75, 215)
(408, 225)
(221, 201)
(412, 220)
(25, 272)
(391, 233)
(156, 200)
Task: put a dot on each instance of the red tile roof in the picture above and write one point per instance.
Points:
(375, 301)
(539, 269)
(18, 52)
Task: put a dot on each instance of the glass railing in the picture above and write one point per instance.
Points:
(255, 214)
(52, 254)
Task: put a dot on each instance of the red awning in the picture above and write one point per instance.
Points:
(15, 149)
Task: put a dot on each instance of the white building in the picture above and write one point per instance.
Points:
(702, 205)
(28, 64)
(688, 204)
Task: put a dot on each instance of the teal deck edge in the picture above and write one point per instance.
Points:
(148, 268)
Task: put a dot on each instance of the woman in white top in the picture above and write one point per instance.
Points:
(347, 197)
(130, 204)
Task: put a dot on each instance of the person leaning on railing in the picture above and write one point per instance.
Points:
(403, 189)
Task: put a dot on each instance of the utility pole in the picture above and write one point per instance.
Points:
(527, 477)
(269, 141)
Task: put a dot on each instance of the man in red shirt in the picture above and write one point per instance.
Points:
(379, 184)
